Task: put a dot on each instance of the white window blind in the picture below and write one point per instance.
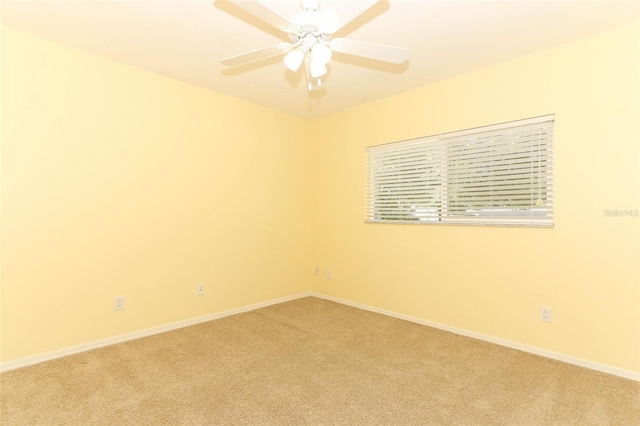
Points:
(493, 175)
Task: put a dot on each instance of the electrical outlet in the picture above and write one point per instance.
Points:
(329, 275)
(317, 271)
(200, 290)
(119, 303)
(545, 313)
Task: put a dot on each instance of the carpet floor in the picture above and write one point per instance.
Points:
(312, 362)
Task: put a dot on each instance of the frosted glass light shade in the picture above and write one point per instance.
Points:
(321, 53)
(317, 68)
(294, 59)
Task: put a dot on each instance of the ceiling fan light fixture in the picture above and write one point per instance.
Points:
(312, 42)
(321, 53)
(317, 68)
(294, 59)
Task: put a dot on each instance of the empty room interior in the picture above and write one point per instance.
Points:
(185, 241)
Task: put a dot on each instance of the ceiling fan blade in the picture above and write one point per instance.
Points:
(335, 21)
(254, 55)
(264, 12)
(380, 52)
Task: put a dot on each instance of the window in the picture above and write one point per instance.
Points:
(493, 175)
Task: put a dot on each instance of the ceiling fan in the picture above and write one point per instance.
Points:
(312, 44)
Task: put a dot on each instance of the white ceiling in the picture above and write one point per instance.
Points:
(186, 40)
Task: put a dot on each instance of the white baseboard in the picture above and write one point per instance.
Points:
(23, 362)
(627, 374)
(35, 359)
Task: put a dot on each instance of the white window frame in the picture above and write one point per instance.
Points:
(504, 170)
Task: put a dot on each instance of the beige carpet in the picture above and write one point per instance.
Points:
(313, 362)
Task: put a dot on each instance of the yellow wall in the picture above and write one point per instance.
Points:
(493, 280)
(117, 181)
